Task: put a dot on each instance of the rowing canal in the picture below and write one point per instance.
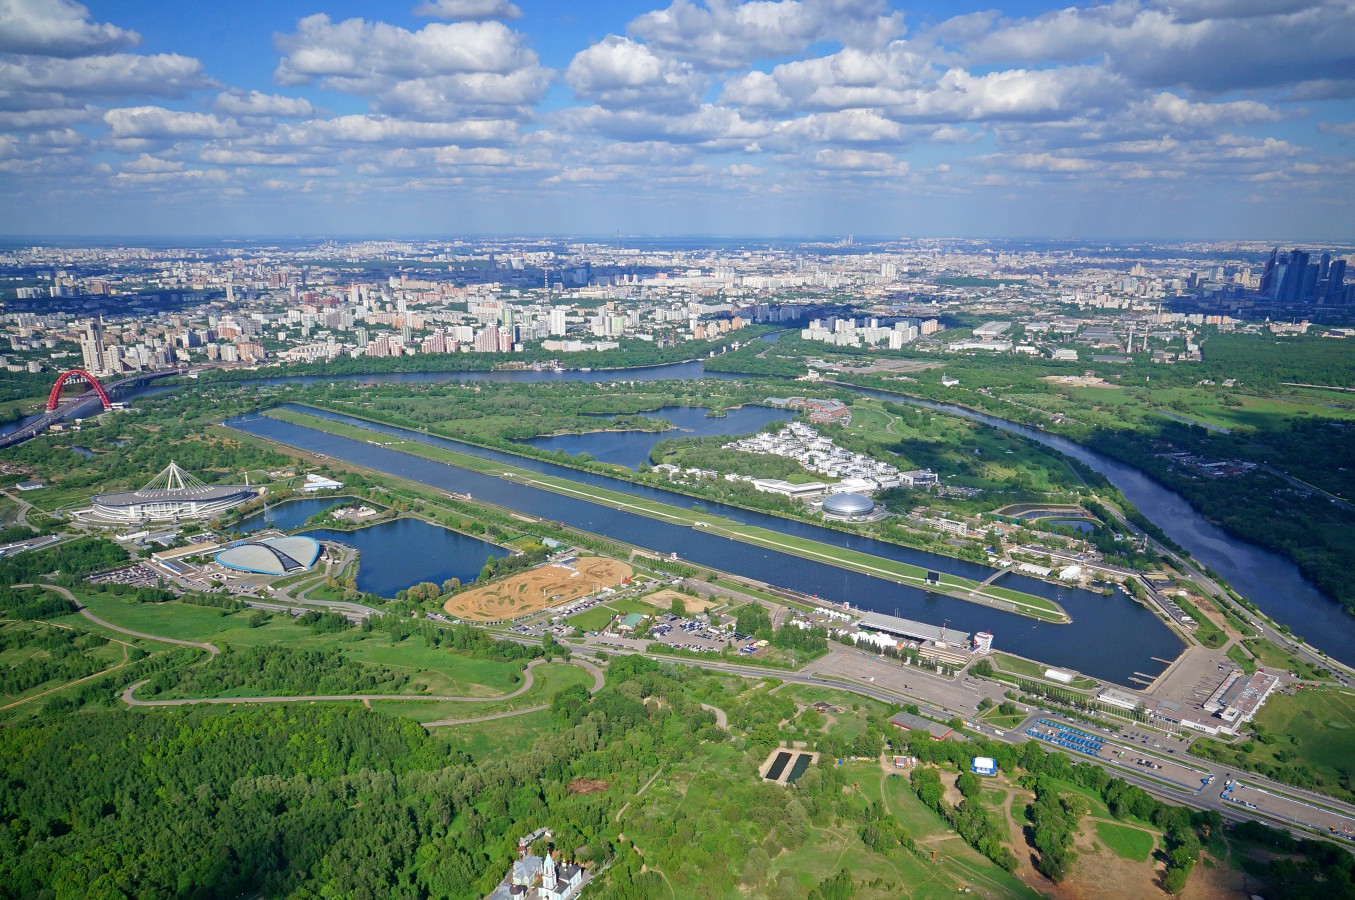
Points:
(1139, 636)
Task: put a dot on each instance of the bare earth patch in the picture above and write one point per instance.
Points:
(537, 589)
(588, 786)
(1080, 381)
(1100, 874)
(664, 599)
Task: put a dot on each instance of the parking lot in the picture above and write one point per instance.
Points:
(136, 575)
(703, 635)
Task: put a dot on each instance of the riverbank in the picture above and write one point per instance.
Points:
(956, 586)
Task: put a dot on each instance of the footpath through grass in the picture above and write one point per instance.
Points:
(892, 570)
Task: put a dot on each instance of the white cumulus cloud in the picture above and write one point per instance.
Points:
(57, 28)
(619, 72)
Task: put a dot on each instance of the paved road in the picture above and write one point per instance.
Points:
(211, 649)
(721, 717)
(24, 508)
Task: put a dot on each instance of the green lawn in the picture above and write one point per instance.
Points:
(1322, 719)
(1125, 841)
(1238, 654)
(1027, 669)
(997, 720)
(1272, 656)
(495, 738)
(549, 680)
(1206, 632)
(594, 619)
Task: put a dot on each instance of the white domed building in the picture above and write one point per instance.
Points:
(271, 556)
(850, 507)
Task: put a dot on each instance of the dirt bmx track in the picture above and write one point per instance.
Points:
(537, 589)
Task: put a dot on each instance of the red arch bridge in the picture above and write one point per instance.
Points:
(55, 397)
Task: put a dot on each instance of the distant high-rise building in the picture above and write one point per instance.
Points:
(557, 322)
(92, 347)
(1333, 288)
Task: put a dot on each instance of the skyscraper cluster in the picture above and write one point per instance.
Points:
(1293, 278)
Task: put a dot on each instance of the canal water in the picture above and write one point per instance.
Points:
(288, 514)
(909, 555)
(1140, 638)
(631, 448)
(394, 555)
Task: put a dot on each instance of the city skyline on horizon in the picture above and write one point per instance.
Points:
(1137, 120)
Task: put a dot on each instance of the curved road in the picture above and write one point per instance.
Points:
(591, 668)
(211, 649)
(721, 718)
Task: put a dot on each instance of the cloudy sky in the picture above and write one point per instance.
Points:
(1209, 119)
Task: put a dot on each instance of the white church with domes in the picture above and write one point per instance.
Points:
(540, 877)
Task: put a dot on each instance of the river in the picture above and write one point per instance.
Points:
(1266, 578)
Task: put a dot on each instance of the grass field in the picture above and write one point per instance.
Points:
(1206, 632)
(1126, 841)
(1238, 654)
(600, 616)
(1272, 656)
(433, 671)
(1315, 731)
(1027, 669)
(1323, 720)
(496, 737)
(594, 619)
(548, 681)
(997, 720)
(537, 589)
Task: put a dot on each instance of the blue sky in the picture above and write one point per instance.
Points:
(1170, 119)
